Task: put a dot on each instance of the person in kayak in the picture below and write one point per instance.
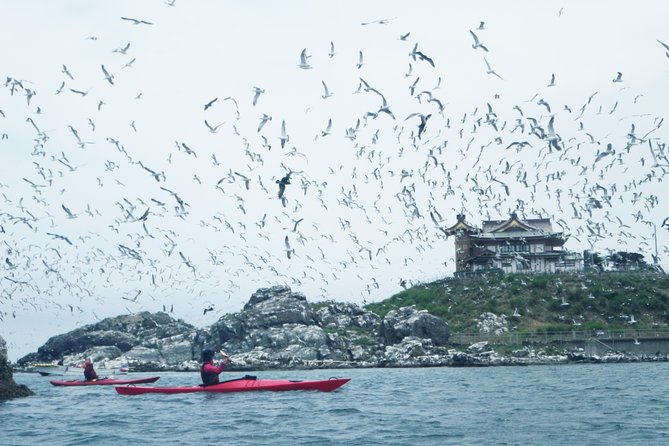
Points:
(209, 372)
(89, 371)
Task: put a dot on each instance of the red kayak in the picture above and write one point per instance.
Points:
(245, 384)
(105, 381)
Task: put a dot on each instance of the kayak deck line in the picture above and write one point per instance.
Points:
(245, 384)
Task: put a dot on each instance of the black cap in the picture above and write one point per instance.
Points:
(208, 354)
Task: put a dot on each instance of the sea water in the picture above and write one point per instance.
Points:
(601, 404)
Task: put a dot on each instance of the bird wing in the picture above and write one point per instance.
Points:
(487, 64)
(476, 39)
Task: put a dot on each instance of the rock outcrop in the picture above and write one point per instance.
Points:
(277, 328)
(146, 341)
(8, 387)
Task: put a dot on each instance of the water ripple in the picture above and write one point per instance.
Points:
(589, 404)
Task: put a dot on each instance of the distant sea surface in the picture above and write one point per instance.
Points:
(602, 404)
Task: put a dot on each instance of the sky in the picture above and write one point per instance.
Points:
(118, 197)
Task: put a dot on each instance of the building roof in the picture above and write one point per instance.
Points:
(513, 227)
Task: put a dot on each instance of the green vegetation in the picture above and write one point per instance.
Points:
(545, 302)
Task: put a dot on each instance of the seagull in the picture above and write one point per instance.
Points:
(552, 83)
(481, 26)
(289, 250)
(209, 308)
(490, 70)
(332, 50)
(210, 103)
(545, 104)
(263, 120)
(213, 129)
(257, 92)
(619, 77)
(68, 212)
(405, 36)
(360, 60)
(67, 72)
(423, 122)
(415, 53)
(326, 93)
(282, 184)
(380, 22)
(129, 64)
(136, 21)
(108, 77)
(60, 237)
(122, 50)
(284, 137)
(328, 129)
(553, 138)
(82, 93)
(304, 64)
(476, 43)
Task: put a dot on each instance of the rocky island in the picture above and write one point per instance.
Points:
(280, 329)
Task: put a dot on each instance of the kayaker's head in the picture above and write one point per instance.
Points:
(88, 361)
(207, 354)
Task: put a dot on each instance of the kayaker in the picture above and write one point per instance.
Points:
(89, 371)
(209, 371)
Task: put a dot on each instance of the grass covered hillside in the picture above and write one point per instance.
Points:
(543, 302)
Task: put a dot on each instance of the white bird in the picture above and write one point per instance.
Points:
(490, 70)
(213, 129)
(68, 212)
(263, 120)
(404, 36)
(552, 83)
(289, 250)
(108, 77)
(553, 138)
(332, 50)
(257, 91)
(619, 77)
(328, 129)
(122, 50)
(477, 43)
(284, 136)
(67, 72)
(136, 21)
(360, 60)
(326, 93)
(304, 64)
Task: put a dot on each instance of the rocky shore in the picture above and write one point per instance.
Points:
(280, 329)
(8, 387)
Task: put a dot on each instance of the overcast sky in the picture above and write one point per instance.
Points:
(166, 213)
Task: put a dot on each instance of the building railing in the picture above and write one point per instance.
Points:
(512, 338)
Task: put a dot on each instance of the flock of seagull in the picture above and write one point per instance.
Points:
(153, 234)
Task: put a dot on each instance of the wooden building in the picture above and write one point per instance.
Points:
(512, 246)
